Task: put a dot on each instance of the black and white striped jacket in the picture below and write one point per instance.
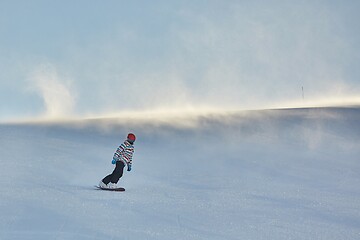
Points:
(125, 153)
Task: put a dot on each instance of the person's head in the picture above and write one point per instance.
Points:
(131, 138)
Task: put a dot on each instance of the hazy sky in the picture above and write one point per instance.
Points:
(81, 57)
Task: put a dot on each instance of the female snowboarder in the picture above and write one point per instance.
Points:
(123, 156)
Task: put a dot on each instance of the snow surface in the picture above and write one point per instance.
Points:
(271, 174)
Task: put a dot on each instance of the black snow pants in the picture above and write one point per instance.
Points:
(116, 174)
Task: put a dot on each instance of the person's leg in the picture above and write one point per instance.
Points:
(118, 172)
(107, 179)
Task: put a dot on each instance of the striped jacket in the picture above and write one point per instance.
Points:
(125, 153)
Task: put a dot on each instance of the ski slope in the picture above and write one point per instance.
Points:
(267, 174)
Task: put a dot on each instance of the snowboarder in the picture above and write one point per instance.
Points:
(123, 156)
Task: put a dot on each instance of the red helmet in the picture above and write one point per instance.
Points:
(131, 137)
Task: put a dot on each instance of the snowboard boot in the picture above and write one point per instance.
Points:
(103, 185)
(112, 185)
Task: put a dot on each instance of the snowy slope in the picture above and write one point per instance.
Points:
(273, 174)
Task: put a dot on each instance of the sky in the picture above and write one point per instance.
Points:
(95, 58)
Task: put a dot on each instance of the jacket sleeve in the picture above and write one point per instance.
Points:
(118, 152)
(129, 155)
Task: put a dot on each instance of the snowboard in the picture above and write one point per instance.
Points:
(120, 189)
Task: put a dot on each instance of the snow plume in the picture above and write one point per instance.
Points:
(55, 90)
